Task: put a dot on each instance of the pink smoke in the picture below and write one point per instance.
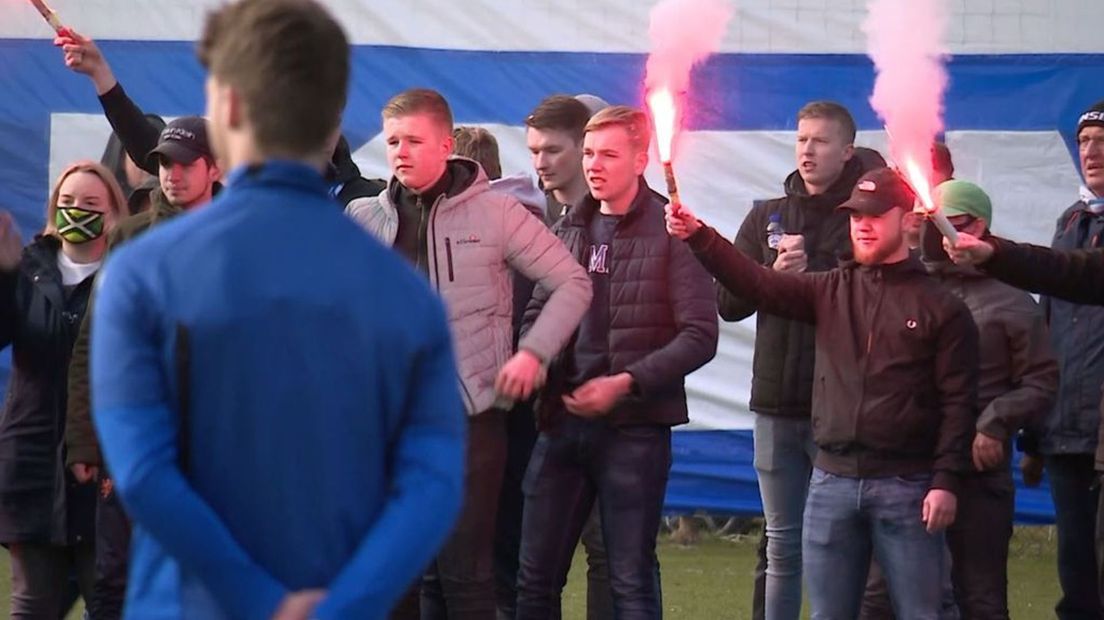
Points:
(683, 34)
(905, 41)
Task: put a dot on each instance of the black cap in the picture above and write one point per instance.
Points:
(184, 140)
(1093, 116)
(879, 191)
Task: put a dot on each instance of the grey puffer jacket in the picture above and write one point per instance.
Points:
(475, 237)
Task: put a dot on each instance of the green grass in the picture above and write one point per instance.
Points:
(713, 579)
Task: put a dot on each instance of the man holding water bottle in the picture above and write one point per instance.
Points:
(801, 231)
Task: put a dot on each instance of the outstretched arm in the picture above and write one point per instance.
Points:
(789, 295)
(137, 134)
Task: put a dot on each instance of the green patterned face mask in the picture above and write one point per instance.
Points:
(77, 225)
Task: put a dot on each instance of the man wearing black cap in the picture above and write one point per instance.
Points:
(185, 165)
(1070, 273)
(894, 393)
(188, 175)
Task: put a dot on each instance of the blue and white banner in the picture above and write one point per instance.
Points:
(1020, 74)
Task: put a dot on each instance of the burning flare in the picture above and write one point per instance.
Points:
(915, 177)
(905, 41)
(683, 34)
(664, 114)
(665, 117)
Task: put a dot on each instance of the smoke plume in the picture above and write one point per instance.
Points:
(905, 41)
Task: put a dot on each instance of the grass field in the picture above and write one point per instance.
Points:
(713, 579)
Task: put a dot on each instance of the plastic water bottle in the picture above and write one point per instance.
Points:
(774, 231)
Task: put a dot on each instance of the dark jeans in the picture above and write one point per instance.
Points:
(759, 590)
(978, 540)
(521, 433)
(1075, 493)
(599, 596)
(875, 603)
(459, 583)
(112, 552)
(626, 470)
(40, 576)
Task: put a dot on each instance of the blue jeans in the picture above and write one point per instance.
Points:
(847, 519)
(784, 452)
(625, 469)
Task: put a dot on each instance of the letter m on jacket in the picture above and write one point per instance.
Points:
(598, 256)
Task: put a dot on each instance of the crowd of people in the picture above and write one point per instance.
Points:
(250, 383)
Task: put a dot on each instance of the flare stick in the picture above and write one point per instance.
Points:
(50, 16)
(672, 185)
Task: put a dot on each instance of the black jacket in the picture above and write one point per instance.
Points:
(39, 499)
(345, 174)
(896, 361)
(137, 133)
(785, 349)
(1076, 276)
(663, 317)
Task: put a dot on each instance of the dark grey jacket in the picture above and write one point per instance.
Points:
(1017, 372)
(1076, 276)
(1077, 338)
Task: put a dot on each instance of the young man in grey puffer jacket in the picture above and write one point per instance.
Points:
(440, 213)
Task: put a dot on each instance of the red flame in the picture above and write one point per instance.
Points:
(664, 115)
(915, 177)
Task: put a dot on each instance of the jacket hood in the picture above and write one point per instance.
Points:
(468, 180)
(42, 251)
(836, 194)
(522, 187)
(342, 167)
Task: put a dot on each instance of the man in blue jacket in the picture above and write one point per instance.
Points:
(275, 391)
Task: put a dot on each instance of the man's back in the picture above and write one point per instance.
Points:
(289, 344)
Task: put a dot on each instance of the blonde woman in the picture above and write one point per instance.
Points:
(47, 518)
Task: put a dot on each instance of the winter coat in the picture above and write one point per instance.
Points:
(40, 500)
(897, 361)
(1077, 337)
(662, 314)
(1076, 276)
(1017, 372)
(82, 444)
(785, 349)
(476, 238)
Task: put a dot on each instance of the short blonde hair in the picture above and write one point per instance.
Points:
(114, 192)
(420, 101)
(632, 120)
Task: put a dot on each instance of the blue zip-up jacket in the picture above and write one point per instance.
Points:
(277, 398)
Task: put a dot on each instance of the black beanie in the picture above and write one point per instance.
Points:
(1093, 116)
